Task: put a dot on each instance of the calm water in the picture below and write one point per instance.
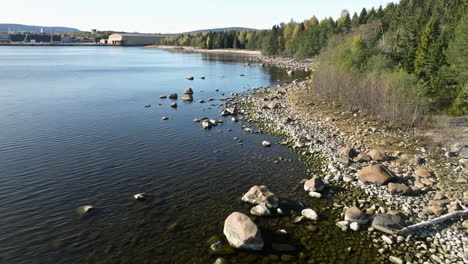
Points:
(74, 132)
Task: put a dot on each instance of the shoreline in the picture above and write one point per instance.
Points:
(282, 110)
(213, 51)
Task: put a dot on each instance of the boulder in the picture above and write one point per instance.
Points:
(354, 214)
(190, 78)
(388, 223)
(378, 174)
(187, 97)
(164, 118)
(348, 152)
(363, 157)
(174, 105)
(314, 184)
(261, 195)
(398, 188)
(310, 214)
(188, 91)
(173, 96)
(260, 210)
(163, 96)
(242, 232)
(422, 173)
(378, 155)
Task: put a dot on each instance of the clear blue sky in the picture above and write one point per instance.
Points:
(171, 16)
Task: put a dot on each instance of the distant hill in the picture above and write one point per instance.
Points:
(218, 30)
(19, 27)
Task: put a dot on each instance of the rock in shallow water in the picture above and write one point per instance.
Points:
(314, 184)
(242, 232)
(354, 214)
(310, 214)
(387, 223)
(140, 196)
(260, 210)
(261, 195)
(266, 144)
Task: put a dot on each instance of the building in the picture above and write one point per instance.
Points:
(4, 38)
(127, 39)
(94, 31)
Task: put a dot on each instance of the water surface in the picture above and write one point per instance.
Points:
(74, 132)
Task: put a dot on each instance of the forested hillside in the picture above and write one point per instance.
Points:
(396, 62)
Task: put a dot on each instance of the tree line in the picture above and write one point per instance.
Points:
(417, 49)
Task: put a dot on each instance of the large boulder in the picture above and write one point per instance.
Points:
(188, 91)
(378, 174)
(388, 223)
(354, 214)
(242, 232)
(261, 195)
(313, 185)
(378, 155)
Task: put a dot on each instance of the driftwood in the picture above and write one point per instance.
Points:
(434, 221)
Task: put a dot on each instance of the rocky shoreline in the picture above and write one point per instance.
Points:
(399, 187)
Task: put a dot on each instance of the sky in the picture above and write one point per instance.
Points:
(173, 16)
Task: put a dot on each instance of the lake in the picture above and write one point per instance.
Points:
(74, 131)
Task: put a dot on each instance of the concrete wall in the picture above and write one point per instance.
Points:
(134, 39)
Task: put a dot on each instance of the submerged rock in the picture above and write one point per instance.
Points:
(378, 174)
(174, 105)
(260, 210)
(140, 196)
(261, 195)
(173, 96)
(242, 232)
(190, 78)
(164, 118)
(85, 209)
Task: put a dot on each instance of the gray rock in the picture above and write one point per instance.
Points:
(395, 260)
(260, 210)
(314, 184)
(187, 97)
(387, 223)
(188, 91)
(85, 209)
(310, 214)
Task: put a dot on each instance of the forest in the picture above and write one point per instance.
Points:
(398, 62)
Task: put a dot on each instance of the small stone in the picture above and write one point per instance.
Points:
(163, 96)
(422, 172)
(174, 105)
(310, 214)
(342, 224)
(315, 195)
(354, 226)
(266, 144)
(398, 188)
(387, 240)
(164, 118)
(395, 260)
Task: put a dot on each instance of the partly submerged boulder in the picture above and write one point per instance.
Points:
(261, 195)
(242, 232)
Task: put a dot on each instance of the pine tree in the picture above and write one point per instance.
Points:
(422, 59)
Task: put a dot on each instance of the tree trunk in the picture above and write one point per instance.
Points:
(434, 221)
